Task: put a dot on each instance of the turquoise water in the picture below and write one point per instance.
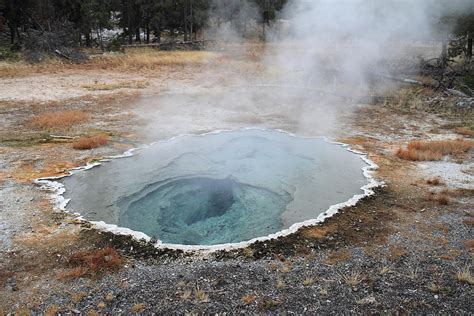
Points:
(219, 188)
(205, 211)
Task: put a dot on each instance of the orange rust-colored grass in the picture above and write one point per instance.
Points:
(433, 149)
(469, 221)
(337, 256)
(442, 199)
(317, 232)
(83, 143)
(415, 155)
(93, 262)
(445, 147)
(469, 243)
(396, 252)
(465, 131)
(60, 119)
(73, 273)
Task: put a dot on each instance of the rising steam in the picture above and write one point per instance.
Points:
(321, 59)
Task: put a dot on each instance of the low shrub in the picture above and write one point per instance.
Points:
(60, 119)
(92, 263)
(433, 149)
(84, 143)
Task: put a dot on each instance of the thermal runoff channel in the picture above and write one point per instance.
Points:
(218, 188)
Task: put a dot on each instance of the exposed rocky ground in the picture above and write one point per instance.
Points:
(402, 250)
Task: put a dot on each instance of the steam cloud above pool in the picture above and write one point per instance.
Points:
(218, 188)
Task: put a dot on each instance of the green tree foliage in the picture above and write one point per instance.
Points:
(138, 19)
(464, 29)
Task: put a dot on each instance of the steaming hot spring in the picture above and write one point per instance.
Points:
(220, 188)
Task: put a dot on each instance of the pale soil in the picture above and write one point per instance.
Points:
(400, 242)
(69, 84)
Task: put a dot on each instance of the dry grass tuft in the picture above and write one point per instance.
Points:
(308, 281)
(267, 304)
(11, 69)
(465, 131)
(135, 60)
(433, 149)
(469, 244)
(434, 181)
(248, 299)
(433, 287)
(61, 119)
(186, 295)
(52, 310)
(385, 270)
(92, 263)
(92, 312)
(285, 268)
(412, 272)
(280, 284)
(109, 297)
(445, 147)
(396, 252)
(143, 59)
(337, 256)
(248, 252)
(353, 279)
(464, 275)
(137, 308)
(316, 232)
(73, 273)
(415, 155)
(468, 221)
(442, 199)
(200, 295)
(97, 86)
(84, 143)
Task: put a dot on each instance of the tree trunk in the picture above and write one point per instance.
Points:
(469, 46)
(148, 35)
(263, 28)
(88, 39)
(185, 20)
(99, 38)
(158, 36)
(12, 34)
(129, 22)
(444, 52)
(137, 35)
(18, 35)
(192, 18)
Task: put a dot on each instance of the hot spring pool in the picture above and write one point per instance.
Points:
(218, 188)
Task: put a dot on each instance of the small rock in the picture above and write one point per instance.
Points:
(367, 300)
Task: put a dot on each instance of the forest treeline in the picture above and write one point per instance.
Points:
(51, 24)
(138, 20)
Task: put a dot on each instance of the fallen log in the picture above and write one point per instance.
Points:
(60, 54)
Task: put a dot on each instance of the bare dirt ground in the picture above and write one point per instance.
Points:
(405, 249)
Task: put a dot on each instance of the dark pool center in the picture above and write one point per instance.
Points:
(218, 188)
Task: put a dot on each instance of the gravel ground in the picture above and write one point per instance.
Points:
(398, 252)
(363, 284)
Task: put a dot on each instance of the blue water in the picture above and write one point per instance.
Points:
(205, 211)
(219, 188)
